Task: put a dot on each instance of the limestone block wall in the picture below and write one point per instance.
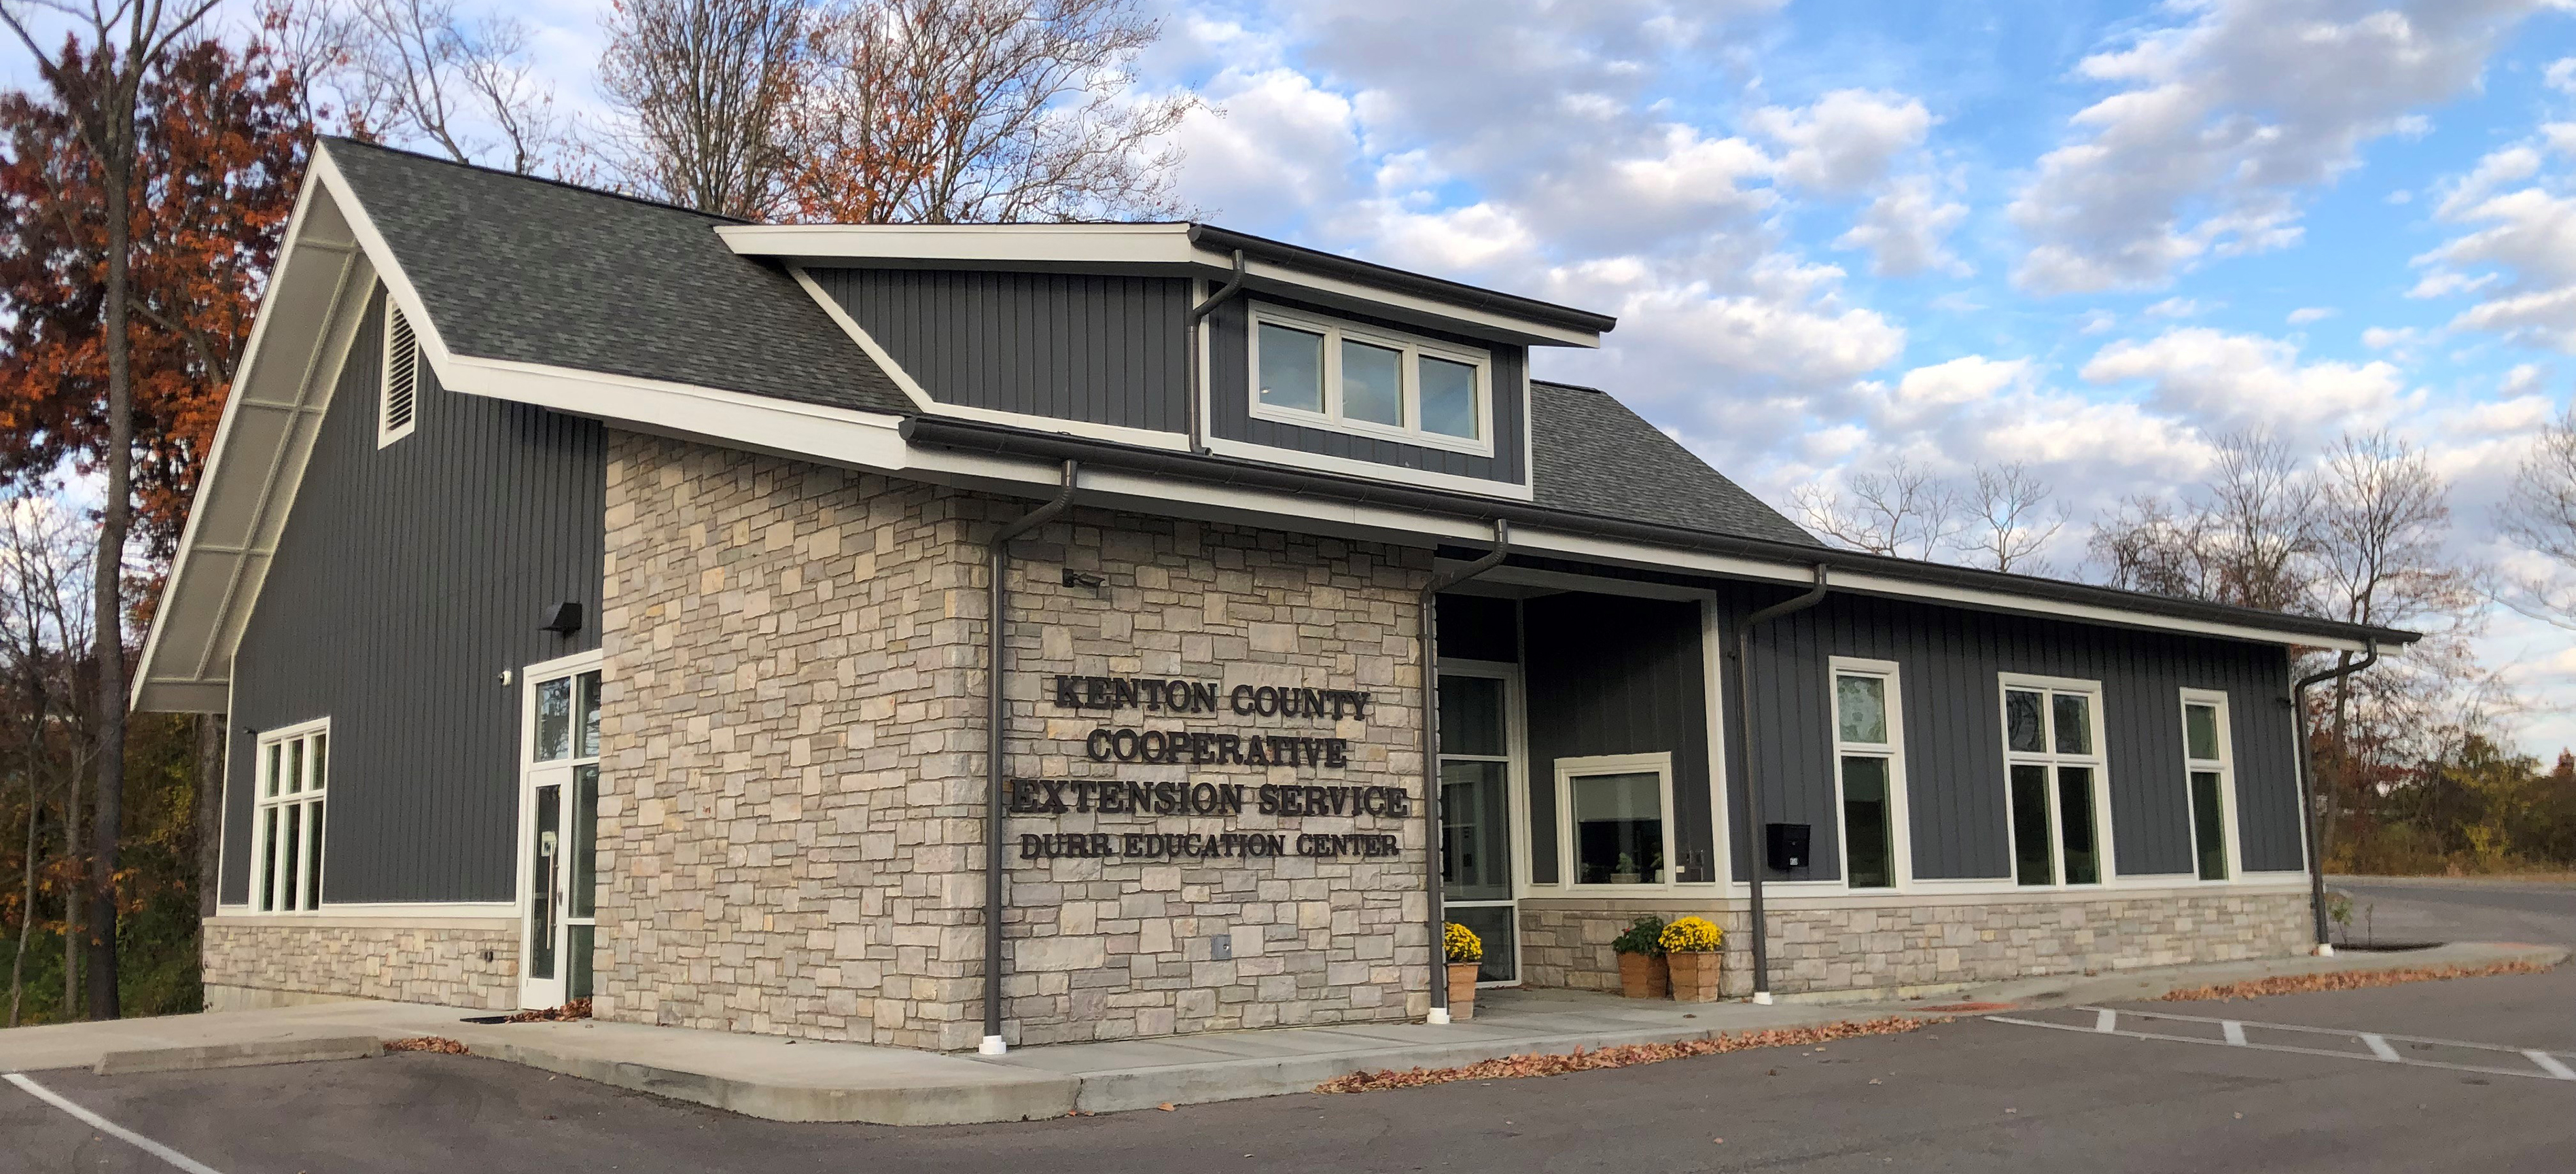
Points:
(1930, 942)
(266, 962)
(791, 814)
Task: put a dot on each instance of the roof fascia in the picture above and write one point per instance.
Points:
(1146, 248)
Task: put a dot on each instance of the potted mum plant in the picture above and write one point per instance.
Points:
(1642, 974)
(1466, 956)
(1690, 947)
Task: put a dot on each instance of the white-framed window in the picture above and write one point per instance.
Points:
(1615, 819)
(293, 768)
(398, 398)
(2059, 795)
(1321, 373)
(1869, 773)
(2209, 773)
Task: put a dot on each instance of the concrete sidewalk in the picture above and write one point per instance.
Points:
(803, 1080)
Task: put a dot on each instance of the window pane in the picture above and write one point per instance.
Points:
(313, 857)
(2075, 819)
(1862, 704)
(289, 870)
(1869, 851)
(1493, 926)
(2034, 851)
(1471, 715)
(321, 759)
(578, 940)
(276, 769)
(268, 860)
(1475, 832)
(1448, 398)
(589, 747)
(295, 766)
(2200, 731)
(1618, 829)
(2025, 730)
(581, 899)
(2074, 723)
(1371, 387)
(2209, 824)
(1292, 368)
(541, 883)
(554, 719)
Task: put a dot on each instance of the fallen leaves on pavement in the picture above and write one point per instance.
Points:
(2342, 980)
(576, 1009)
(426, 1043)
(1622, 1056)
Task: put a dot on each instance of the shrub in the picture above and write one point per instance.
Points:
(1462, 943)
(1644, 936)
(1691, 935)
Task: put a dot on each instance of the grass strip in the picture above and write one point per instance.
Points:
(2342, 980)
(1624, 1055)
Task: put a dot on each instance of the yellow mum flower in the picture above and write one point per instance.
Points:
(1692, 935)
(1462, 943)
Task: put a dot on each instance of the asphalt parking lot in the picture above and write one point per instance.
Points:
(1971, 1095)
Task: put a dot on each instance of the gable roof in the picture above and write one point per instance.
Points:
(1595, 456)
(532, 271)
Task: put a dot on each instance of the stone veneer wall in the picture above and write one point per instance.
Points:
(415, 964)
(1960, 940)
(791, 816)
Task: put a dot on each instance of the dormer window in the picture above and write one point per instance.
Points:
(1372, 382)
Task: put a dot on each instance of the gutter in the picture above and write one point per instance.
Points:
(1755, 847)
(1401, 281)
(996, 716)
(1001, 441)
(1198, 389)
(2314, 824)
(1431, 759)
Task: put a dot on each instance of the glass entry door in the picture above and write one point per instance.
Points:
(559, 837)
(1475, 815)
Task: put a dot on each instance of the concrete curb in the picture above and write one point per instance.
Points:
(1008, 1095)
(240, 1055)
(2135, 985)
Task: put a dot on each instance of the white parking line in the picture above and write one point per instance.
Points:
(103, 1125)
(2106, 1021)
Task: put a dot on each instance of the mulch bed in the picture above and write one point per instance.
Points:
(1623, 1056)
(2343, 980)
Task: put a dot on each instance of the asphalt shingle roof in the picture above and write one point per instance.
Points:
(539, 272)
(1594, 456)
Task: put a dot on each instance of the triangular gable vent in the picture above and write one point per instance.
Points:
(402, 379)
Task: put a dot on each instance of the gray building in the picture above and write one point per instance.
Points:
(604, 595)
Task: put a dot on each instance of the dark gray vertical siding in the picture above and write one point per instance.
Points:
(1104, 350)
(1950, 662)
(1617, 675)
(1230, 406)
(405, 582)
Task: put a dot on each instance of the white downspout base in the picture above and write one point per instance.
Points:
(992, 1046)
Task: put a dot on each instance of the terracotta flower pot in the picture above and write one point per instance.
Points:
(1462, 989)
(1644, 976)
(1694, 977)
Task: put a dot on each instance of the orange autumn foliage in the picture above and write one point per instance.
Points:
(222, 140)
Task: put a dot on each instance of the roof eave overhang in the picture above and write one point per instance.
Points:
(1184, 250)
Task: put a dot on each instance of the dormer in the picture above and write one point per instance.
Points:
(1191, 338)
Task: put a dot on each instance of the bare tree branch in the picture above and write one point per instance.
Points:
(706, 87)
(1901, 510)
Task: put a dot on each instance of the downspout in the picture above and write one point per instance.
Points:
(1753, 830)
(1431, 758)
(1190, 335)
(2314, 824)
(997, 708)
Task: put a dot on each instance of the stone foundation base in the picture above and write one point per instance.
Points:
(1931, 940)
(265, 964)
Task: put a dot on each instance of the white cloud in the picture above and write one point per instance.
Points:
(2241, 380)
(2517, 250)
(2561, 75)
(2522, 379)
(1903, 230)
(2307, 314)
(1846, 140)
(2223, 123)
(2380, 338)
(2176, 308)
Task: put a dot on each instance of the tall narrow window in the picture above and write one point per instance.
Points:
(294, 773)
(401, 391)
(2212, 782)
(2054, 782)
(1867, 751)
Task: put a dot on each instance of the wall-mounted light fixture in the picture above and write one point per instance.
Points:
(1074, 578)
(565, 621)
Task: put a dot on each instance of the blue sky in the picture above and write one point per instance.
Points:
(2091, 237)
